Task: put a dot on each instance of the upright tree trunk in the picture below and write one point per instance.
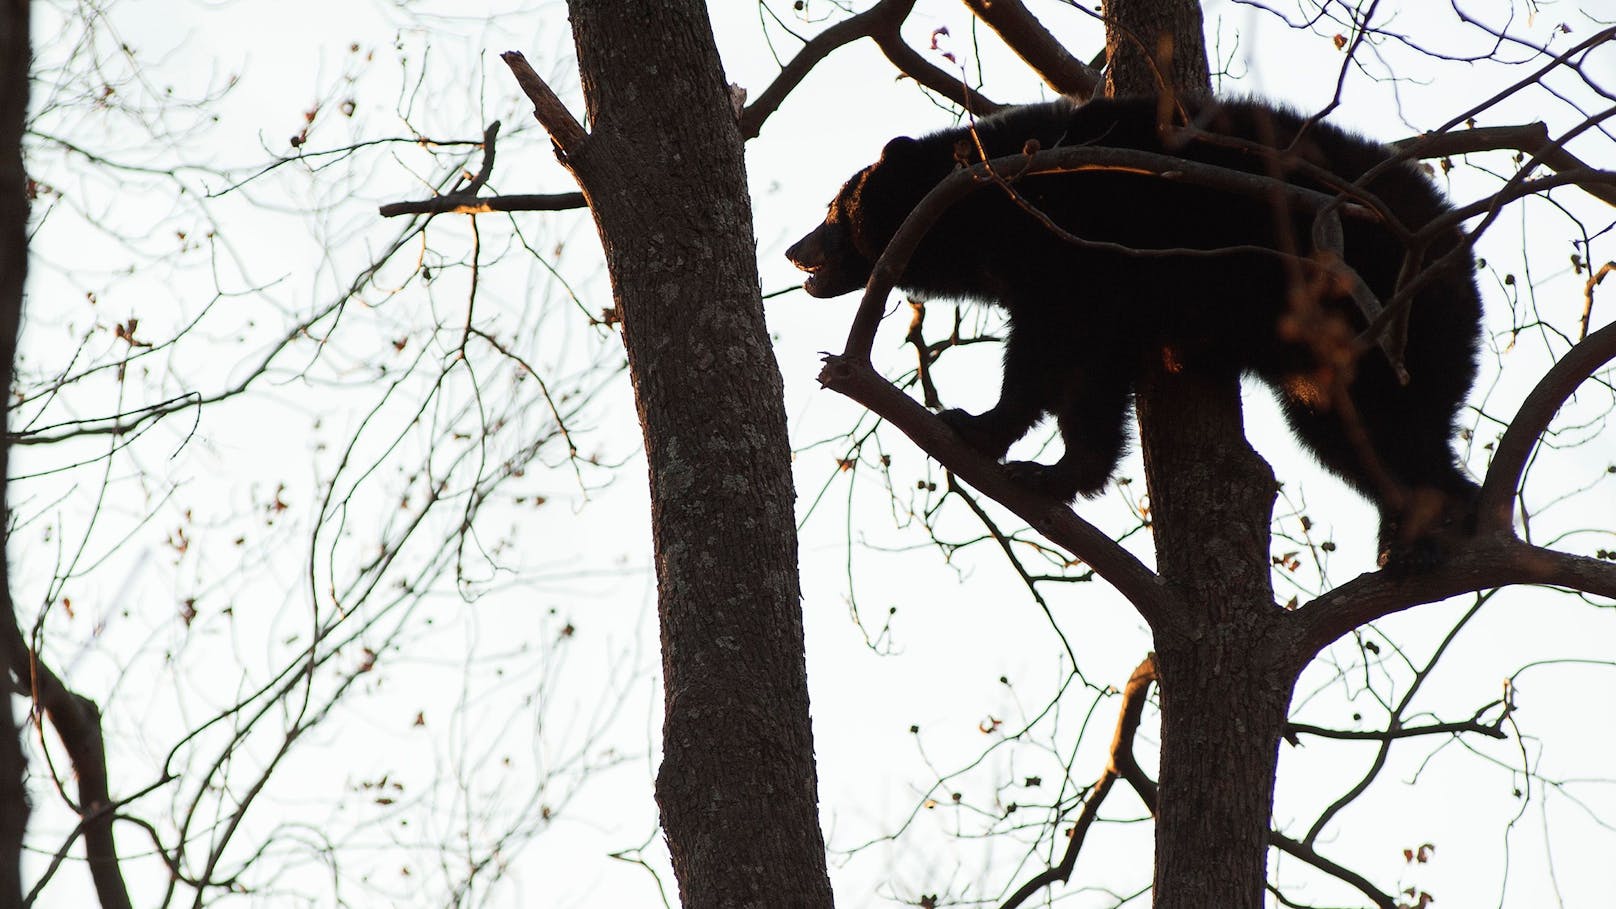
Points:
(663, 172)
(14, 63)
(1223, 696)
(1223, 700)
(1155, 45)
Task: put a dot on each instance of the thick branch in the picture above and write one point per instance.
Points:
(568, 136)
(854, 377)
(77, 722)
(844, 32)
(1509, 462)
(462, 205)
(1488, 561)
(1401, 732)
(1532, 138)
(1025, 35)
(950, 86)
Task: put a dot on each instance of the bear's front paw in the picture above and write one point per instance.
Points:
(976, 431)
(1065, 480)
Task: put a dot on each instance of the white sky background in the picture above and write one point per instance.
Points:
(959, 627)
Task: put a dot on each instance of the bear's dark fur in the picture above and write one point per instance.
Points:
(1082, 320)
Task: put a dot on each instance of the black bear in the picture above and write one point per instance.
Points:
(1083, 316)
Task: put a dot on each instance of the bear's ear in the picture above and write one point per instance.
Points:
(900, 148)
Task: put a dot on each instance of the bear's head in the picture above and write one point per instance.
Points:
(839, 254)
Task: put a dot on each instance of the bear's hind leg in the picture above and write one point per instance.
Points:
(1424, 499)
(1093, 416)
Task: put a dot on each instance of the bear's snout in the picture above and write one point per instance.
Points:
(833, 267)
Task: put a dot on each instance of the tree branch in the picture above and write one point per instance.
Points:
(1401, 732)
(1033, 43)
(463, 200)
(1509, 461)
(857, 379)
(77, 722)
(1532, 138)
(1305, 853)
(1490, 560)
(1133, 707)
(882, 24)
(569, 137)
(912, 64)
(463, 205)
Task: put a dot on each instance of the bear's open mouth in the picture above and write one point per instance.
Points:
(818, 274)
(825, 282)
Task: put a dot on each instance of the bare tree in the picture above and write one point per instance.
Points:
(668, 192)
(1227, 656)
(14, 50)
(254, 503)
(463, 397)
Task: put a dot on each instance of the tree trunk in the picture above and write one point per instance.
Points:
(1151, 45)
(663, 172)
(14, 63)
(1224, 694)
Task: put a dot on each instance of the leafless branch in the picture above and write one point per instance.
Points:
(459, 205)
(1509, 461)
(880, 23)
(1491, 559)
(1133, 707)
(855, 378)
(1311, 856)
(77, 722)
(1532, 138)
(1025, 35)
(565, 131)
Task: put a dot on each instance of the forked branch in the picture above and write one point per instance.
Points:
(1122, 764)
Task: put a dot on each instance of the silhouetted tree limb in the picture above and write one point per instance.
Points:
(1025, 35)
(1490, 730)
(1532, 138)
(1489, 560)
(458, 205)
(77, 722)
(1551, 392)
(882, 24)
(858, 380)
(463, 200)
(1311, 856)
(1133, 707)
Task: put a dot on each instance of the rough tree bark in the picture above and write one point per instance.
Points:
(1225, 685)
(663, 173)
(1155, 44)
(14, 62)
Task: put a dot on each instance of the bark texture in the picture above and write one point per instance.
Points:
(663, 172)
(1225, 676)
(1155, 45)
(14, 62)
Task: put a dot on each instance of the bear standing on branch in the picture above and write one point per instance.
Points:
(1200, 277)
